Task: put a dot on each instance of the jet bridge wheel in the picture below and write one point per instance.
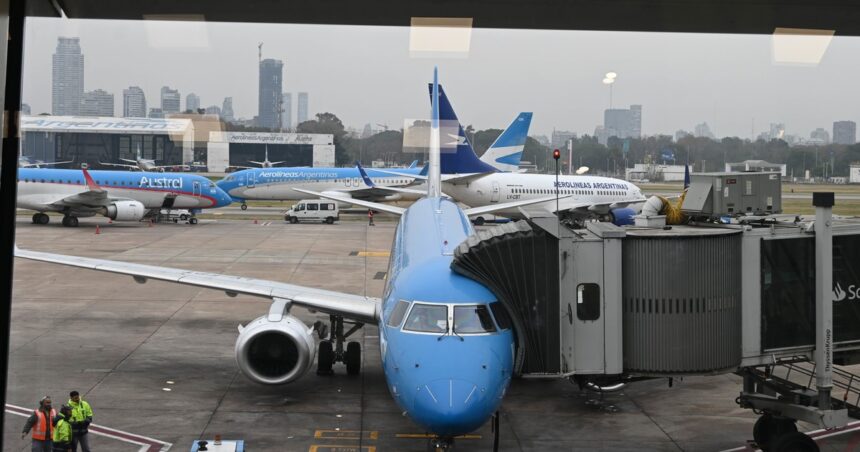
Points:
(769, 428)
(794, 442)
(70, 221)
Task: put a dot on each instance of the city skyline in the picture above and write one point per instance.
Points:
(729, 81)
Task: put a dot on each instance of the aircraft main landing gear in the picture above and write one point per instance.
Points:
(331, 350)
(70, 221)
(41, 218)
(244, 206)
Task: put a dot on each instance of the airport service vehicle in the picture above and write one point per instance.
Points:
(313, 210)
(470, 180)
(118, 195)
(176, 215)
(446, 342)
(279, 183)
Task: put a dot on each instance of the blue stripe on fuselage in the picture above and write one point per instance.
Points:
(287, 175)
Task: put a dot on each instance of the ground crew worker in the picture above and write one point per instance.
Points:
(63, 431)
(41, 422)
(82, 417)
(370, 217)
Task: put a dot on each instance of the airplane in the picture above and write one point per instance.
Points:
(118, 195)
(264, 164)
(139, 164)
(446, 342)
(470, 180)
(26, 162)
(278, 184)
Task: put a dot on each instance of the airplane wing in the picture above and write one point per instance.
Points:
(38, 165)
(120, 165)
(372, 190)
(358, 202)
(447, 178)
(511, 205)
(365, 309)
(578, 207)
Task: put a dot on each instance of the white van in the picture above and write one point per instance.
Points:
(313, 210)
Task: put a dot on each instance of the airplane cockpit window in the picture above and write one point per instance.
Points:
(501, 315)
(397, 314)
(473, 320)
(427, 318)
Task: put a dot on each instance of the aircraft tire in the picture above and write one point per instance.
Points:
(352, 357)
(41, 218)
(244, 207)
(479, 221)
(325, 358)
(70, 221)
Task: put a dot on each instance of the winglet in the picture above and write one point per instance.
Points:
(414, 164)
(686, 176)
(90, 182)
(363, 173)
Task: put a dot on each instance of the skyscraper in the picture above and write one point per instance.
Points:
(133, 103)
(271, 86)
(844, 132)
(286, 111)
(156, 113)
(67, 87)
(302, 108)
(192, 102)
(623, 123)
(170, 100)
(97, 103)
(227, 109)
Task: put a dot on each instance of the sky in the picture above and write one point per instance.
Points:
(368, 75)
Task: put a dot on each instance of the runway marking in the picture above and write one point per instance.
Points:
(429, 436)
(815, 434)
(346, 434)
(146, 444)
(328, 448)
(372, 254)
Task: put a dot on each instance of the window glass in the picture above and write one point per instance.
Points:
(396, 317)
(313, 206)
(427, 318)
(588, 301)
(473, 319)
(300, 207)
(501, 315)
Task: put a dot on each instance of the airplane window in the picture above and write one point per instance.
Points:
(473, 319)
(501, 315)
(397, 314)
(427, 318)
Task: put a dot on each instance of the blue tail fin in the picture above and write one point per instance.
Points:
(364, 176)
(686, 176)
(414, 164)
(506, 152)
(463, 160)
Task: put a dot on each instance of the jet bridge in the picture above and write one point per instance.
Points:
(606, 304)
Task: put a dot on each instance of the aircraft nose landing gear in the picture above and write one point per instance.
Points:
(332, 351)
(244, 206)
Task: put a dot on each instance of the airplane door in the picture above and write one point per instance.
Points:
(583, 309)
(252, 179)
(495, 194)
(196, 188)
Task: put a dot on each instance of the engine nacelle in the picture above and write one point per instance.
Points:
(623, 216)
(125, 211)
(275, 352)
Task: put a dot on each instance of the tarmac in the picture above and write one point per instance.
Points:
(156, 360)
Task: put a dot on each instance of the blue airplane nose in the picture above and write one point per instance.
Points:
(222, 198)
(451, 407)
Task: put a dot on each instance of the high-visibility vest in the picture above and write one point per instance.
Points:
(43, 426)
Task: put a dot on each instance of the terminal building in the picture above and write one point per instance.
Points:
(179, 140)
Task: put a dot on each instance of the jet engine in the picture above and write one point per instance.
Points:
(275, 352)
(623, 216)
(125, 211)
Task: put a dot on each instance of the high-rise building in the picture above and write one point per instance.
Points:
(777, 131)
(192, 102)
(287, 111)
(227, 109)
(213, 110)
(271, 86)
(133, 103)
(703, 131)
(97, 103)
(170, 100)
(67, 87)
(844, 132)
(819, 136)
(302, 108)
(156, 113)
(560, 138)
(623, 123)
(25, 109)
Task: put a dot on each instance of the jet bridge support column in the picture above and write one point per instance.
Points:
(823, 203)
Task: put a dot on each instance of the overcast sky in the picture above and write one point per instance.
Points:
(367, 75)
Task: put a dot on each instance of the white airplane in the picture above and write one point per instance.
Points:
(463, 359)
(139, 164)
(25, 162)
(473, 182)
(264, 164)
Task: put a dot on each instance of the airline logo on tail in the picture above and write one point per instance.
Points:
(506, 152)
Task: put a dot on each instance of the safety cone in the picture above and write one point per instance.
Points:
(255, 221)
(98, 230)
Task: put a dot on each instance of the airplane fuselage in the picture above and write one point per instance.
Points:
(446, 360)
(499, 188)
(39, 189)
(279, 183)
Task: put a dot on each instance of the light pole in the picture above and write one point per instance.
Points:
(556, 154)
(609, 79)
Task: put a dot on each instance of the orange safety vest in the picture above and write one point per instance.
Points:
(42, 429)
